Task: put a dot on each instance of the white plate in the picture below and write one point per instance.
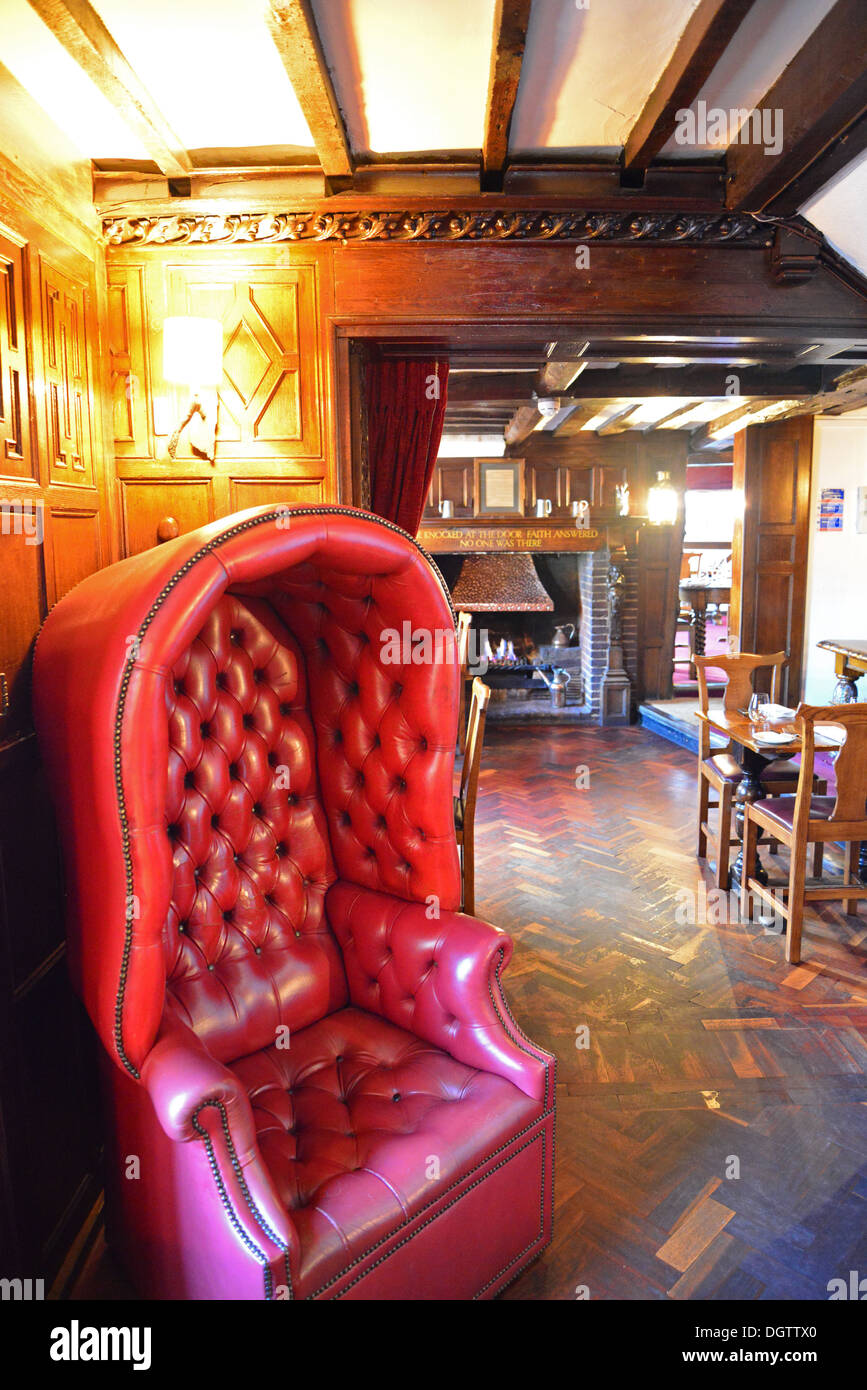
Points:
(768, 736)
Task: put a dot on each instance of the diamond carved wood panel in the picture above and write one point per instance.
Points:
(269, 397)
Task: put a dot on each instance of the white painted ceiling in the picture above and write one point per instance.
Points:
(409, 74)
(212, 69)
(588, 72)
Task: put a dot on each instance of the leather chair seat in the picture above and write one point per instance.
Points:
(730, 770)
(348, 1120)
(782, 809)
(725, 767)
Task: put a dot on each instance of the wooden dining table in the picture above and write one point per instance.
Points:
(698, 593)
(755, 756)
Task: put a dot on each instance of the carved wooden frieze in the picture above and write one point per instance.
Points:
(218, 229)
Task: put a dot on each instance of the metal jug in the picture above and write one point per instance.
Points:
(556, 683)
(560, 638)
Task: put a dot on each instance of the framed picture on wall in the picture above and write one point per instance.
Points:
(499, 487)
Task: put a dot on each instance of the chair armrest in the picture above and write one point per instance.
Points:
(438, 977)
(197, 1097)
(180, 1075)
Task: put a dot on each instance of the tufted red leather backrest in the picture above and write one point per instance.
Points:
(248, 946)
(309, 594)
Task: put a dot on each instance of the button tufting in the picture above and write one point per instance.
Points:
(233, 771)
(215, 821)
(422, 743)
(189, 780)
(222, 680)
(204, 730)
(235, 636)
(285, 707)
(396, 1095)
(272, 759)
(258, 675)
(248, 721)
(257, 808)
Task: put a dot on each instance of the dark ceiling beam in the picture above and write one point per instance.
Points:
(724, 427)
(293, 28)
(496, 390)
(619, 422)
(822, 95)
(522, 424)
(77, 26)
(511, 18)
(556, 376)
(707, 34)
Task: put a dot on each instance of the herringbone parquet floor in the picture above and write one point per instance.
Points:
(712, 1133)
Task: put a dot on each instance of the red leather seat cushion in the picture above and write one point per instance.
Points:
(362, 1125)
(725, 766)
(730, 770)
(782, 808)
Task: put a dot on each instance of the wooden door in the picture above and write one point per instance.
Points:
(772, 465)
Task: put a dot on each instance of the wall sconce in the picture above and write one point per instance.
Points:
(193, 357)
(662, 501)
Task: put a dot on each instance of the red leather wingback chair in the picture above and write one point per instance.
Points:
(307, 1047)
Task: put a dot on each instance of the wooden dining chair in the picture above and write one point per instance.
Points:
(718, 770)
(463, 624)
(803, 819)
(465, 801)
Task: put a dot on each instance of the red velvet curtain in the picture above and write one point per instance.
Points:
(406, 402)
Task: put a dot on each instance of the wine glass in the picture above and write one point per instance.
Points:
(759, 702)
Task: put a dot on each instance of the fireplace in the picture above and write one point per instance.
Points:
(518, 600)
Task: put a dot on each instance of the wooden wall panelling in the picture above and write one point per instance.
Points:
(270, 399)
(276, 492)
(148, 503)
(73, 548)
(277, 421)
(130, 364)
(24, 607)
(772, 467)
(607, 477)
(66, 377)
(16, 458)
(452, 481)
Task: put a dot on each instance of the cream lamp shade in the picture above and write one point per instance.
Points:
(193, 351)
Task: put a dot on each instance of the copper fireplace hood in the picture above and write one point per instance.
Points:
(505, 582)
